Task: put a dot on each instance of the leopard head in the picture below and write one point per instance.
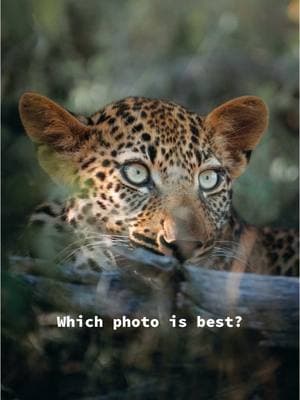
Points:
(148, 170)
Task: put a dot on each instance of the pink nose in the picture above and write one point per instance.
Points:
(181, 234)
(181, 249)
(170, 231)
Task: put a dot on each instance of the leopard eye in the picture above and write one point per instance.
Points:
(136, 174)
(209, 179)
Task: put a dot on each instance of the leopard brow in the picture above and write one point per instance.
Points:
(211, 164)
(133, 160)
(124, 158)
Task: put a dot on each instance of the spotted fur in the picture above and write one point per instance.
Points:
(170, 214)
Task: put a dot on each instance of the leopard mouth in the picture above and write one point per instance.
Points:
(172, 249)
(181, 250)
(139, 240)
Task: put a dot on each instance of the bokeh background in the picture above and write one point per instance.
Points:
(85, 54)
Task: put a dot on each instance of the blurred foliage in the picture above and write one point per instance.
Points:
(86, 54)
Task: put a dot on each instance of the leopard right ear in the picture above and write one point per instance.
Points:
(234, 130)
(47, 123)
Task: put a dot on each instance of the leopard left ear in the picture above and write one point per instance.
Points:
(59, 135)
(48, 123)
(235, 128)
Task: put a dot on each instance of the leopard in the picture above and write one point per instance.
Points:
(149, 173)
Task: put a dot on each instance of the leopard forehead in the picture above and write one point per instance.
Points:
(163, 134)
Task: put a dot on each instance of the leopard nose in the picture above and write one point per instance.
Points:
(180, 249)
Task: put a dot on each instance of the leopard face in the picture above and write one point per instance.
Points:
(148, 170)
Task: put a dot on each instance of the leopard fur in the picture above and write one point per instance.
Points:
(168, 213)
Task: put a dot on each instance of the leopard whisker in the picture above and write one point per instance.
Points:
(231, 255)
(97, 243)
(97, 236)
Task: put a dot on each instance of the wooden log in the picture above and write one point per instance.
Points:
(267, 304)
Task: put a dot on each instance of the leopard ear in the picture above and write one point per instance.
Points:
(58, 135)
(235, 128)
(47, 123)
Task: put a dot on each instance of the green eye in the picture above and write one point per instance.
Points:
(136, 174)
(209, 180)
